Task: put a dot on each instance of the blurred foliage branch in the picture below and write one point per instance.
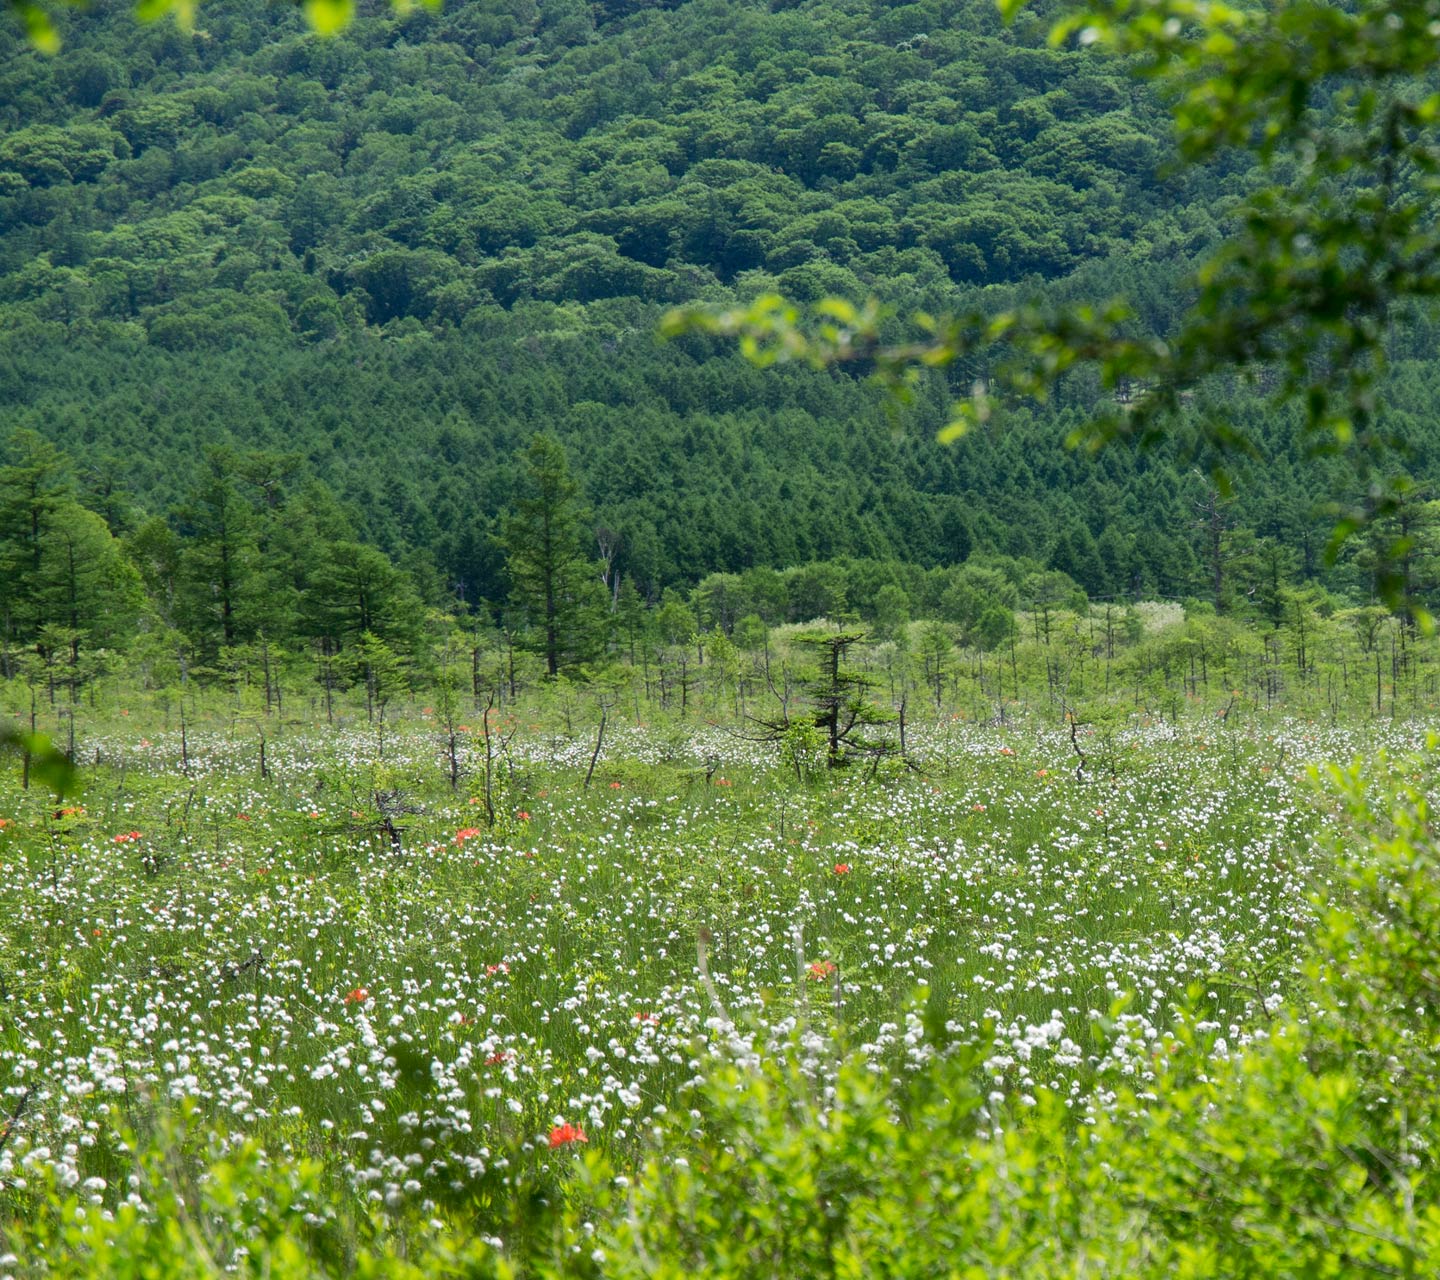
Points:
(327, 17)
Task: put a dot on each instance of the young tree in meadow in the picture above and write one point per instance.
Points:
(378, 668)
(552, 578)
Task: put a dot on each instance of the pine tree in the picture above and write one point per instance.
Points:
(221, 587)
(33, 488)
(552, 580)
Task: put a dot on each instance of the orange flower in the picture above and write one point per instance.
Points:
(614, 786)
(126, 837)
(466, 833)
(357, 995)
(564, 1134)
(819, 971)
(522, 816)
(842, 868)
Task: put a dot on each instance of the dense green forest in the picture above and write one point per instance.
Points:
(294, 309)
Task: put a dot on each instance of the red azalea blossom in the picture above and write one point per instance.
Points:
(723, 782)
(650, 1019)
(466, 833)
(842, 868)
(492, 969)
(614, 786)
(357, 995)
(820, 970)
(495, 1059)
(243, 817)
(126, 837)
(564, 1134)
(522, 816)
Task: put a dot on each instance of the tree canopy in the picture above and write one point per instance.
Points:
(1307, 292)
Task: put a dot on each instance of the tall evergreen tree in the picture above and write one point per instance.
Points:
(552, 579)
(220, 580)
(33, 489)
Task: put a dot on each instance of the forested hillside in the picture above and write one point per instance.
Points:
(386, 260)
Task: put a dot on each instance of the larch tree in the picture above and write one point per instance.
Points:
(553, 581)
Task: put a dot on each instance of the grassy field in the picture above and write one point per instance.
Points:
(343, 959)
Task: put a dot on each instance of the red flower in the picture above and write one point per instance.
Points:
(614, 786)
(819, 971)
(842, 868)
(466, 833)
(564, 1134)
(126, 837)
(649, 1019)
(522, 816)
(357, 995)
(495, 1059)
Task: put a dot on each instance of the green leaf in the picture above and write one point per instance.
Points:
(329, 17)
(48, 764)
(837, 309)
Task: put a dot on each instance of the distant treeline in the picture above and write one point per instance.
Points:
(257, 577)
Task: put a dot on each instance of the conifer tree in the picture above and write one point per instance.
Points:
(552, 580)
